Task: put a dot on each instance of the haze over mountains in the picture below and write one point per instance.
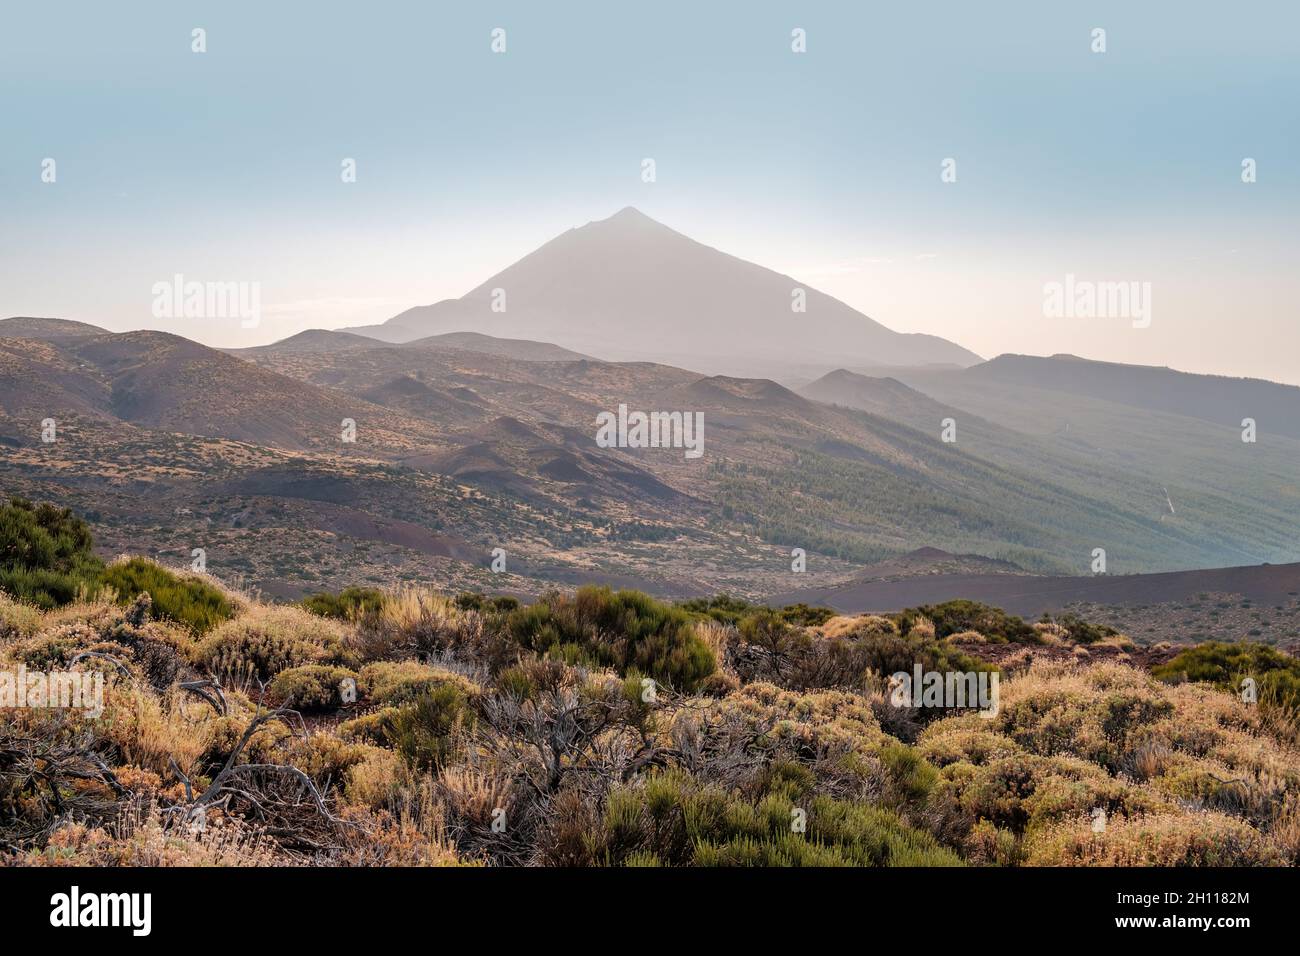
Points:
(628, 288)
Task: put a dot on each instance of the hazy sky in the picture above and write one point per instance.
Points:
(225, 166)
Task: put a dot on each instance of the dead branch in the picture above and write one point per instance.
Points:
(208, 691)
(100, 655)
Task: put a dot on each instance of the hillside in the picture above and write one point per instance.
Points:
(761, 425)
(47, 330)
(168, 442)
(164, 382)
(311, 340)
(1242, 497)
(1213, 398)
(524, 350)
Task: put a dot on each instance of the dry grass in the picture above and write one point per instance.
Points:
(141, 838)
(1192, 839)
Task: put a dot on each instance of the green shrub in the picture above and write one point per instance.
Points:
(729, 610)
(425, 732)
(771, 632)
(953, 617)
(189, 601)
(624, 630)
(1080, 631)
(721, 607)
(911, 779)
(1226, 665)
(887, 654)
(45, 554)
(310, 687)
(805, 616)
(674, 819)
(346, 604)
(391, 683)
(476, 601)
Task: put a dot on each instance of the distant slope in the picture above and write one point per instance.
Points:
(313, 340)
(1207, 470)
(1241, 501)
(523, 350)
(47, 330)
(40, 380)
(1213, 398)
(884, 396)
(161, 381)
(507, 436)
(1031, 595)
(628, 287)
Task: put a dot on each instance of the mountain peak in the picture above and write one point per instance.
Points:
(630, 219)
(629, 214)
(631, 288)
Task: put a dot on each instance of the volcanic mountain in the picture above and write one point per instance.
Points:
(630, 288)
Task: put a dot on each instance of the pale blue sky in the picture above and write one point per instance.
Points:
(225, 166)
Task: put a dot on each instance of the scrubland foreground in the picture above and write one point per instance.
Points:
(601, 728)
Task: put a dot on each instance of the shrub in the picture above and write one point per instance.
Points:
(812, 725)
(269, 639)
(476, 601)
(1198, 839)
(376, 780)
(805, 616)
(310, 687)
(722, 608)
(425, 732)
(729, 610)
(423, 624)
(346, 604)
(388, 683)
(1225, 665)
(624, 630)
(771, 633)
(45, 554)
(953, 617)
(674, 819)
(324, 757)
(187, 600)
(148, 840)
(17, 620)
(1080, 631)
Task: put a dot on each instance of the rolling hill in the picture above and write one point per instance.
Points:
(1213, 398)
(160, 381)
(492, 445)
(47, 330)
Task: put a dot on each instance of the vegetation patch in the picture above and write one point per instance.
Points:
(186, 599)
(625, 630)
